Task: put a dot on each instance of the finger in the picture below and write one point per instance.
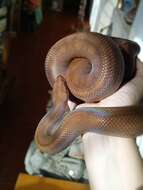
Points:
(139, 68)
(71, 105)
(89, 105)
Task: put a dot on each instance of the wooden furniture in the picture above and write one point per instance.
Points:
(27, 182)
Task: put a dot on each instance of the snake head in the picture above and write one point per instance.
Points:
(60, 94)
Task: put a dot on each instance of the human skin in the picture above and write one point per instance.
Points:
(114, 162)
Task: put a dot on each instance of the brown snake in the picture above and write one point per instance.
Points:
(90, 67)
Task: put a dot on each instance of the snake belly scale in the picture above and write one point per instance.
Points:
(89, 67)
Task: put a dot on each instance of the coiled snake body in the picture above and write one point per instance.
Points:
(90, 67)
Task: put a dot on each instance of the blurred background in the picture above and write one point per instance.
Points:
(28, 28)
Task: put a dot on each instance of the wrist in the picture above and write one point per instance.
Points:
(112, 162)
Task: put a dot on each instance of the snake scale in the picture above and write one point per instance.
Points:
(88, 67)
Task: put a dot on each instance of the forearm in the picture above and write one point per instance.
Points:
(112, 163)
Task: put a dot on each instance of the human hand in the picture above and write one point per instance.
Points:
(114, 162)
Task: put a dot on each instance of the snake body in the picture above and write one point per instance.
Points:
(88, 67)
